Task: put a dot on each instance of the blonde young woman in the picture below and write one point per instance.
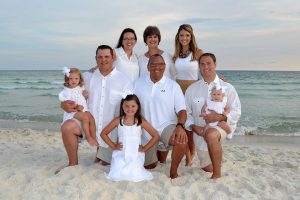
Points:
(152, 39)
(186, 58)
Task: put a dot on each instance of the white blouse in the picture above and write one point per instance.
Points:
(169, 71)
(128, 66)
(187, 69)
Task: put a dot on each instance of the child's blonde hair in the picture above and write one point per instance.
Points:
(77, 71)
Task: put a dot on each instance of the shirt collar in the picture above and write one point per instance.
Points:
(148, 79)
(214, 82)
(110, 74)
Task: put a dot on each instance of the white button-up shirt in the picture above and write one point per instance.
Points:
(195, 97)
(105, 94)
(128, 66)
(160, 102)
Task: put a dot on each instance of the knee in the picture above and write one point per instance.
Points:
(85, 118)
(70, 127)
(211, 135)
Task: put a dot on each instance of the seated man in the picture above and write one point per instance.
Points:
(163, 105)
(208, 143)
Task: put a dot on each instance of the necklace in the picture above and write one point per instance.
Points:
(184, 55)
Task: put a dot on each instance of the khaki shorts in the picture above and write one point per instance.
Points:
(162, 145)
(82, 136)
(105, 154)
(204, 155)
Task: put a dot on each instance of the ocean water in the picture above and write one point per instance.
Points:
(270, 100)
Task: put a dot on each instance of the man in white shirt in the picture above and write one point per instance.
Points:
(105, 87)
(208, 143)
(163, 105)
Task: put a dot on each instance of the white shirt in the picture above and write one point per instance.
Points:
(186, 69)
(195, 98)
(73, 94)
(160, 101)
(128, 66)
(169, 71)
(105, 94)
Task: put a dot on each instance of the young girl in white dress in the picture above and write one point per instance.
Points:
(128, 154)
(74, 91)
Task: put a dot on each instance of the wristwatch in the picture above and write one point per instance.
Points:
(180, 124)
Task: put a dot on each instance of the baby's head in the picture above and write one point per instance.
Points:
(217, 94)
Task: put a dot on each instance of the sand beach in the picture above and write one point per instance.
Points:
(254, 167)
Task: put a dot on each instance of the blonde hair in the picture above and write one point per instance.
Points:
(192, 46)
(76, 71)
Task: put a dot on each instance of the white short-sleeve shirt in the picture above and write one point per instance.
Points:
(160, 101)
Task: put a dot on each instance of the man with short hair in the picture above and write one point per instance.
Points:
(105, 87)
(208, 143)
(163, 105)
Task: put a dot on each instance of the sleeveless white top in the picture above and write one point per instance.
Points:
(187, 69)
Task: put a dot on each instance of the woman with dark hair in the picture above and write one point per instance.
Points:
(152, 39)
(126, 60)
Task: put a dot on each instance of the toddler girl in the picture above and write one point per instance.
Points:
(74, 91)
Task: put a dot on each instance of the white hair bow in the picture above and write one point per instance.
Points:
(125, 93)
(66, 71)
(222, 87)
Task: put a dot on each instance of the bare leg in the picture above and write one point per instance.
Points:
(92, 125)
(151, 166)
(190, 150)
(177, 155)
(84, 118)
(70, 132)
(162, 156)
(212, 138)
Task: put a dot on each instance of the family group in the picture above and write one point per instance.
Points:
(135, 109)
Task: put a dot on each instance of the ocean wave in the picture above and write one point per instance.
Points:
(33, 117)
(35, 87)
(30, 82)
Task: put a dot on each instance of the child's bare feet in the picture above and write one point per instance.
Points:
(92, 142)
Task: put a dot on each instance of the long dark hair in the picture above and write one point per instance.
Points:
(138, 114)
(126, 30)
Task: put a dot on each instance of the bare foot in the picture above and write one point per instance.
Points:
(172, 176)
(93, 142)
(215, 176)
(61, 168)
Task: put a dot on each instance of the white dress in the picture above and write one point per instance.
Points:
(74, 94)
(218, 107)
(128, 164)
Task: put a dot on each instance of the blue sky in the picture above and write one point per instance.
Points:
(244, 35)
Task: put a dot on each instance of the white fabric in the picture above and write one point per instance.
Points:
(187, 69)
(160, 102)
(128, 66)
(218, 107)
(169, 71)
(128, 164)
(73, 94)
(195, 97)
(105, 94)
